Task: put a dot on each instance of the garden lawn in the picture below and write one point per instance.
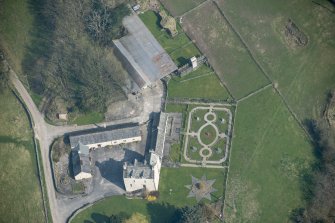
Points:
(202, 83)
(20, 195)
(225, 51)
(177, 178)
(218, 150)
(176, 108)
(163, 209)
(194, 155)
(208, 134)
(87, 118)
(179, 7)
(304, 75)
(195, 124)
(269, 155)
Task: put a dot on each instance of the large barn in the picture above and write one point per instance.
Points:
(144, 58)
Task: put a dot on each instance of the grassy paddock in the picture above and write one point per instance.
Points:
(16, 23)
(21, 198)
(204, 82)
(178, 7)
(269, 156)
(225, 51)
(163, 209)
(303, 74)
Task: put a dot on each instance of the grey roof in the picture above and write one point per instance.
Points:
(159, 148)
(82, 149)
(138, 171)
(105, 136)
(144, 53)
(80, 162)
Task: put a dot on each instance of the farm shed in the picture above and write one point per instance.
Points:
(143, 57)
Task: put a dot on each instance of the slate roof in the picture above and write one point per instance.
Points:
(81, 159)
(105, 136)
(138, 171)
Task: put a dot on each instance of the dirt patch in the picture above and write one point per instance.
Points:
(149, 5)
(292, 36)
(125, 109)
(330, 110)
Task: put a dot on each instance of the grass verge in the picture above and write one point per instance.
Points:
(21, 197)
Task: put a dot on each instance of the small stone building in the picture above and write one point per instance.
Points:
(81, 162)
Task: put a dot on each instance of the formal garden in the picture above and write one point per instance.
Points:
(207, 135)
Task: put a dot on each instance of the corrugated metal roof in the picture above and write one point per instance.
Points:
(143, 52)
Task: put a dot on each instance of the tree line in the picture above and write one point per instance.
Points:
(319, 186)
(71, 56)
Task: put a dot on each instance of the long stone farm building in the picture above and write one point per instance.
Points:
(145, 59)
(107, 137)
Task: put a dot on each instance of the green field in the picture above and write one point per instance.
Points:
(269, 156)
(179, 7)
(15, 18)
(163, 209)
(304, 75)
(20, 195)
(225, 51)
(204, 82)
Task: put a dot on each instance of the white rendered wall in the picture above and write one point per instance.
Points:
(82, 175)
(132, 184)
(115, 142)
